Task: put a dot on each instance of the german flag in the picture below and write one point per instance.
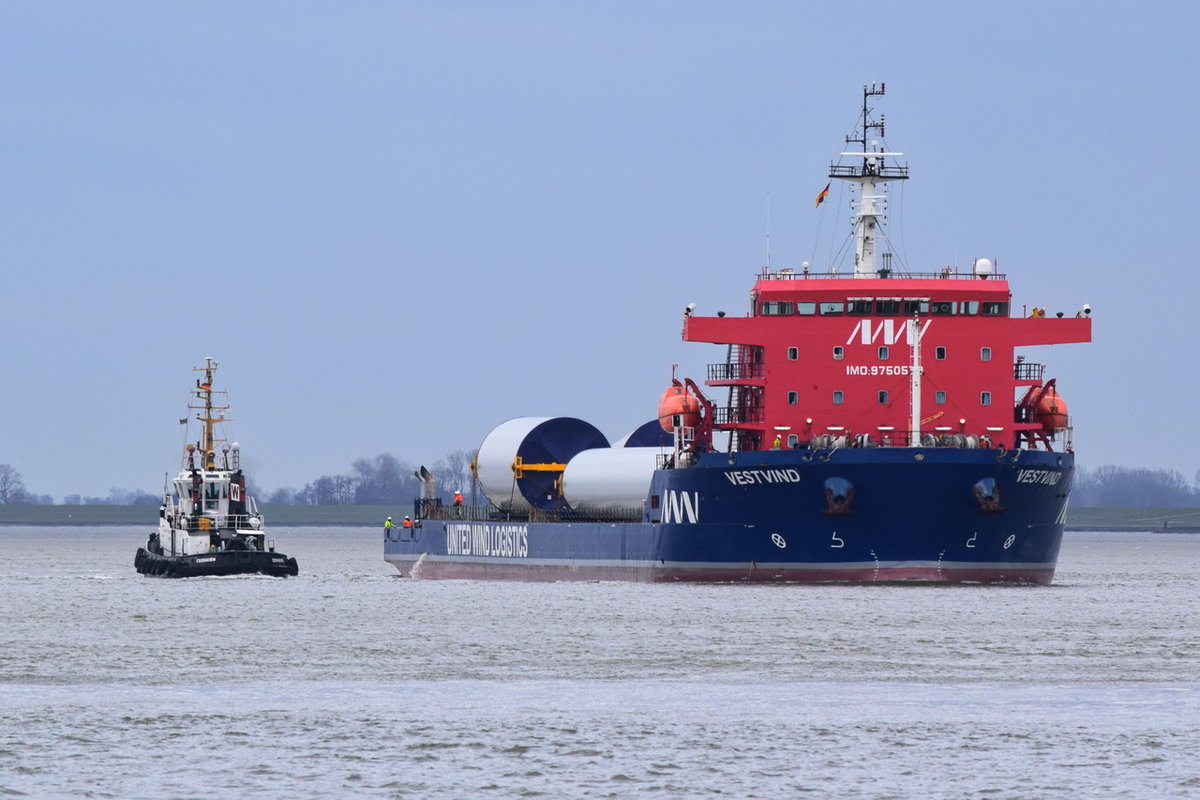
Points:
(824, 193)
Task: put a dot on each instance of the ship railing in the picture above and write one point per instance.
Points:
(439, 510)
(737, 416)
(1027, 371)
(787, 274)
(932, 439)
(735, 372)
(860, 171)
(490, 513)
(213, 524)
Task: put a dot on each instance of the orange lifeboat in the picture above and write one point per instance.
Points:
(1052, 410)
(678, 402)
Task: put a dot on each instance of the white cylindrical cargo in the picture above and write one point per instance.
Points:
(536, 441)
(610, 479)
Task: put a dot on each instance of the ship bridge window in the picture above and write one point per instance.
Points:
(832, 308)
(969, 307)
(916, 305)
(994, 309)
(859, 305)
(889, 306)
(943, 307)
(806, 309)
(773, 308)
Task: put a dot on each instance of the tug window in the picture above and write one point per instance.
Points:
(838, 352)
(838, 398)
(793, 353)
(985, 354)
(883, 353)
(832, 308)
(985, 398)
(806, 309)
(939, 397)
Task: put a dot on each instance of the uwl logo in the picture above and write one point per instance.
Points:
(886, 332)
(682, 507)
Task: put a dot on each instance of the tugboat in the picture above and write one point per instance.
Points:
(209, 524)
(879, 425)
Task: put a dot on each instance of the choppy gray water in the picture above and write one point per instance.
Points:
(350, 681)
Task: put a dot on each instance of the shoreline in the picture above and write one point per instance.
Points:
(1154, 520)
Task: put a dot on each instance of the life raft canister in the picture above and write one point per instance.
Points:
(678, 402)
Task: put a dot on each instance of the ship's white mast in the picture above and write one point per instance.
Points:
(914, 382)
(872, 176)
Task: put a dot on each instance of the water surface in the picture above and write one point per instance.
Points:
(350, 681)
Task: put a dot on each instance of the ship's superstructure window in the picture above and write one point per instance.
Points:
(889, 306)
(806, 309)
(940, 353)
(830, 308)
(970, 307)
(793, 353)
(985, 354)
(883, 396)
(859, 305)
(942, 307)
(883, 352)
(776, 308)
(793, 398)
(916, 306)
(939, 397)
(838, 352)
(793, 441)
(838, 398)
(995, 308)
(985, 398)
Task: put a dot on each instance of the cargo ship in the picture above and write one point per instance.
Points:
(208, 523)
(877, 424)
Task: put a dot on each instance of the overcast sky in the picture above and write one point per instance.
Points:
(398, 225)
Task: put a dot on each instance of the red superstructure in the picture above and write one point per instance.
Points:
(881, 358)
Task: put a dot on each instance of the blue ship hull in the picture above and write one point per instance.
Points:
(850, 515)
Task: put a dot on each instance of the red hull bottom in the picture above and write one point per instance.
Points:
(1038, 575)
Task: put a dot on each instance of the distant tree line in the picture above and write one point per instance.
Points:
(382, 480)
(386, 480)
(1134, 487)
